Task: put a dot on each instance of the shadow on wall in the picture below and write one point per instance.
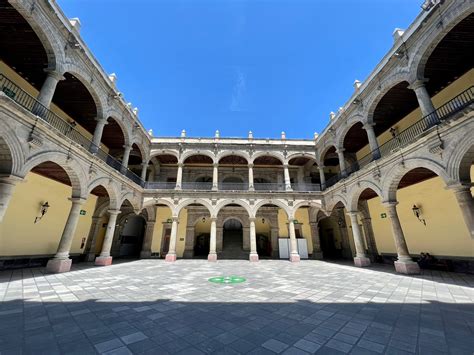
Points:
(163, 326)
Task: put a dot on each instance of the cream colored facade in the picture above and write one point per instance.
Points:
(389, 178)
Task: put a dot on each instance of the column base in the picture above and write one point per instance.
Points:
(56, 266)
(295, 258)
(103, 261)
(361, 261)
(253, 257)
(145, 254)
(212, 257)
(318, 255)
(170, 258)
(407, 267)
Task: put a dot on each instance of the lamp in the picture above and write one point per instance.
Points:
(203, 219)
(417, 212)
(263, 220)
(43, 210)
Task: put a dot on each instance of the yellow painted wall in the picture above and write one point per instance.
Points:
(445, 232)
(449, 92)
(19, 235)
(162, 215)
(262, 228)
(203, 227)
(26, 86)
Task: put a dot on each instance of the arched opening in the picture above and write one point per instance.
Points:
(334, 236)
(356, 146)
(233, 172)
(264, 237)
(451, 59)
(330, 161)
(6, 159)
(269, 218)
(194, 166)
(304, 174)
(232, 244)
(130, 232)
(163, 171)
(136, 159)
(269, 168)
(202, 234)
(113, 138)
(22, 52)
(232, 183)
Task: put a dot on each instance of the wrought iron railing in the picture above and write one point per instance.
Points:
(205, 186)
(410, 134)
(62, 126)
(233, 186)
(269, 186)
(306, 187)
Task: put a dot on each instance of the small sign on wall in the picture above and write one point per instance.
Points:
(82, 213)
(383, 215)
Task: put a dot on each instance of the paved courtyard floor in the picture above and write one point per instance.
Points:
(153, 307)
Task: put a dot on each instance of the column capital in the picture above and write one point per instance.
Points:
(180, 165)
(285, 166)
(459, 187)
(340, 150)
(250, 166)
(389, 204)
(215, 165)
(10, 179)
(252, 219)
(102, 120)
(418, 84)
(54, 74)
(127, 146)
(353, 213)
(175, 219)
(77, 200)
(213, 219)
(369, 125)
(321, 167)
(314, 224)
(144, 164)
(113, 212)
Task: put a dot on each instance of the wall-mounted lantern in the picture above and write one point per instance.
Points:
(44, 208)
(263, 220)
(417, 212)
(203, 219)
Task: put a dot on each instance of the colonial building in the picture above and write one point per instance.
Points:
(389, 178)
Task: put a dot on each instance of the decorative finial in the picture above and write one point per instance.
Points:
(183, 133)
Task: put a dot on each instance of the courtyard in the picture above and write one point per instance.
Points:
(154, 307)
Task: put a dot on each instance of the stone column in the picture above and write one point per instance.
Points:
(46, 93)
(147, 240)
(179, 176)
(361, 258)
(287, 178)
(251, 187)
(126, 156)
(317, 252)
(404, 264)
(466, 204)
(294, 256)
(171, 256)
(99, 130)
(61, 261)
(7, 185)
(253, 241)
(144, 170)
(213, 241)
(322, 177)
(342, 162)
(92, 238)
(424, 99)
(274, 238)
(104, 259)
(215, 177)
(374, 145)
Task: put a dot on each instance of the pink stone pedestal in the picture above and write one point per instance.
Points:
(407, 267)
(253, 257)
(103, 260)
(295, 258)
(56, 266)
(170, 258)
(212, 257)
(361, 261)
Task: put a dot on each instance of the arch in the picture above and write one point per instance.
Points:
(87, 79)
(189, 201)
(325, 151)
(277, 203)
(460, 11)
(121, 125)
(358, 189)
(191, 153)
(241, 203)
(235, 218)
(70, 165)
(457, 156)
(275, 155)
(307, 203)
(386, 85)
(111, 189)
(11, 152)
(395, 175)
(335, 200)
(228, 153)
(159, 201)
(130, 197)
(349, 128)
(309, 156)
(158, 152)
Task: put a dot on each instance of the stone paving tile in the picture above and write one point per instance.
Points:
(153, 307)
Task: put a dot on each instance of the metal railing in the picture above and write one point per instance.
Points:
(205, 186)
(410, 134)
(61, 126)
(160, 185)
(269, 186)
(306, 187)
(233, 186)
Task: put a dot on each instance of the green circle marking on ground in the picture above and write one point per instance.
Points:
(227, 279)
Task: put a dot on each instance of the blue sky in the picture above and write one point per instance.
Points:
(234, 65)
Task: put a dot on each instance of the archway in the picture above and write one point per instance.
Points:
(163, 171)
(307, 174)
(202, 235)
(334, 237)
(232, 247)
(131, 237)
(232, 183)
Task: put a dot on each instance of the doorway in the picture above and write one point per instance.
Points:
(232, 246)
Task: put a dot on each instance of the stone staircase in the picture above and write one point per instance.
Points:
(232, 247)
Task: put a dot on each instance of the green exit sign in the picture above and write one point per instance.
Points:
(383, 215)
(82, 213)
